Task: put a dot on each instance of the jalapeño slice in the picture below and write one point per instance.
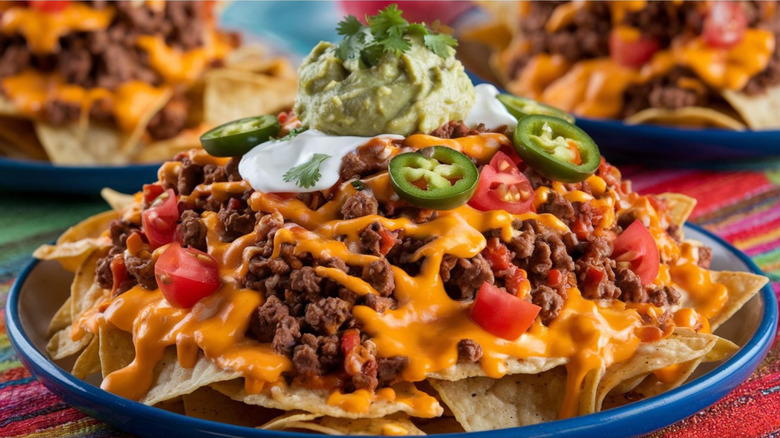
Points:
(239, 136)
(435, 177)
(521, 107)
(556, 149)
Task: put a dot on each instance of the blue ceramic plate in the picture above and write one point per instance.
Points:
(39, 176)
(43, 286)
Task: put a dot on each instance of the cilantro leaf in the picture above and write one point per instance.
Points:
(417, 29)
(293, 132)
(388, 21)
(307, 174)
(395, 44)
(441, 44)
(349, 26)
(387, 33)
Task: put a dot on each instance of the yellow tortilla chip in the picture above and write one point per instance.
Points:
(18, 139)
(88, 362)
(742, 286)
(172, 380)
(761, 111)
(680, 347)
(679, 206)
(396, 425)
(61, 318)
(166, 149)
(693, 116)
(116, 348)
(70, 145)
(117, 201)
(482, 403)
(85, 292)
(281, 422)
(207, 404)
(531, 365)
(77, 242)
(225, 95)
(311, 400)
(61, 345)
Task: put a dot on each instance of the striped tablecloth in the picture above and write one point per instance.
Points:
(742, 207)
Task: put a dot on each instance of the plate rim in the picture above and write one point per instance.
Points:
(713, 385)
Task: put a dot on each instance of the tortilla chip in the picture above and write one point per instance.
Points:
(88, 362)
(71, 145)
(175, 405)
(692, 116)
(61, 345)
(314, 401)
(207, 404)
(396, 424)
(225, 96)
(531, 365)
(742, 286)
(172, 380)
(681, 346)
(18, 139)
(482, 403)
(761, 111)
(281, 422)
(165, 149)
(117, 201)
(116, 348)
(61, 318)
(85, 292)
(79, 241)
(438, 425)
(679, 207)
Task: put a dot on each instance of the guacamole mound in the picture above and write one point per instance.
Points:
(417, 91)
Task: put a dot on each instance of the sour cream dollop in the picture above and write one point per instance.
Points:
(489, 110)
(265, 165)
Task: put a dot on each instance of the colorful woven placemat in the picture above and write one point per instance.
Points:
(742, 207)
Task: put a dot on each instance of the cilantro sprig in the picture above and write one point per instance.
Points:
(307, 174)
(387, 32)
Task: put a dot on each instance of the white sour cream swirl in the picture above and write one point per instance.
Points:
(265, 165)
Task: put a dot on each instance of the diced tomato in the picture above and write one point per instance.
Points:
(637, 246)
(151, 192)
(629, 49)
(512, 154)
(502, 187)
(186, 275)
(349, 340)
(502, 314)
(497, 255)
(593, 277)
(118, 272)
(724, 25)
(554, 277)
(386, 241)
(581, 228)
(48, 6)
(159, 220)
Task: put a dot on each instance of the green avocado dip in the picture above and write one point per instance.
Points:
(361, 88)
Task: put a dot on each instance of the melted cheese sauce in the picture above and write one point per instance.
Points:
(426, 325)
(42, 30)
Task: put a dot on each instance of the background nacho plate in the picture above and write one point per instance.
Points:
(298, 26)
(43, 286)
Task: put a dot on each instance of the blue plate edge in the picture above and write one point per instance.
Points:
(718, 382)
